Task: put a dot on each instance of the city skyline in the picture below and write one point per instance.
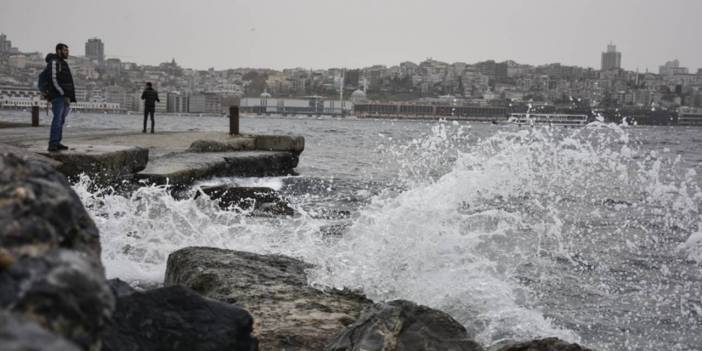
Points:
(308, 34)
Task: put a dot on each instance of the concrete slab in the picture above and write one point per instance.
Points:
(182, 169)
(176, 157)
(104, 163)
(290, 143)
(238, 144)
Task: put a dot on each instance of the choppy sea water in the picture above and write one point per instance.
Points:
(592, 234)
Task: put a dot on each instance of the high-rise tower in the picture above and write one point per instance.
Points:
(612, 58)
(95, 50)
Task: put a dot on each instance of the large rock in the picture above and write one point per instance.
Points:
(20, 334)
(260, 201)
(40, 212)
(548, 344)
(289, 314)
(25, 154)
(404, 326)
(50, 269)
(176, 318)
(105, 164)
(63, 291)
(120, 288)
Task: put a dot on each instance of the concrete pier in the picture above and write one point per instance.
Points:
(176, 158)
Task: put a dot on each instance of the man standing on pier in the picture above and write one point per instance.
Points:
(61, 93)
(150, 97)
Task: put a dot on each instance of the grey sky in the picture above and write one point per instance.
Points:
(333, 33)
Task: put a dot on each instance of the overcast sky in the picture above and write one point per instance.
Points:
(334, 33)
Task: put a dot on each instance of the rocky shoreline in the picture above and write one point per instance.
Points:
(54, 294)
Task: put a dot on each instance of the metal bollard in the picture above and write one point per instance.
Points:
(35, 116)
(233, 120)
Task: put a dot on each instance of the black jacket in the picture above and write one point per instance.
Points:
(61, 84)
(150, 96)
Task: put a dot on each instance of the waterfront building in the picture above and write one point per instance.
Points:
(612, 59)
(176, 102)
(117, 95)
(688, 116)
(409, 110)
(23, 102)
(17, 91)
(20, 102)
(82, 93)
(205, 103)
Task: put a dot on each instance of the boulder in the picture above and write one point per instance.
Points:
(64, 291)
(50, 269)
(120, 288)
(40, 212)
(25, 154)
(288, 313)
(260, 200)
(176, 318)
(404, 326)
(548, 344)
(20, 334)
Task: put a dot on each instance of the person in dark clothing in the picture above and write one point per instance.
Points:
(150, 97)
(61, 94)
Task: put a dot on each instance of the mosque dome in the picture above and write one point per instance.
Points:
(358, 95)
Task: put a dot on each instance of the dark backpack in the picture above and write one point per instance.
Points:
(43, 83)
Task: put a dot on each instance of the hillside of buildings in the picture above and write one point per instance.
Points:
(117, 84)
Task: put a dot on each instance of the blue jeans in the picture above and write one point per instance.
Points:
(60, 107)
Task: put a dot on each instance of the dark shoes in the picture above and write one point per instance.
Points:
(57, 147)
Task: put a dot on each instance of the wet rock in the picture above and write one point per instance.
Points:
(40, 212)
(25, 154)
(105, 164)
(404, 326)
(50, 269)
(236, 144)
(120, 288)
(62, 290)
(548, 344)
(260, 200)
(616, 203)
(20, 334)
(288, 313)
(336, 230)
(182, 169)
(176, 318)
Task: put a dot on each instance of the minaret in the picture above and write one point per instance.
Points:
(341, 92)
